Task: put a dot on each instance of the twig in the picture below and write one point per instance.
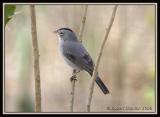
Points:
(73, 81)
(83, 23)
(99, 57)
(73, 78)
(36, 60)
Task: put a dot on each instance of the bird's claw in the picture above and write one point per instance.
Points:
(73, 78)
(77, 71)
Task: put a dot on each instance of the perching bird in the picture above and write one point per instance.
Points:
(76, 55)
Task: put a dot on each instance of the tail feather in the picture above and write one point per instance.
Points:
(99, 82)
(102, 85)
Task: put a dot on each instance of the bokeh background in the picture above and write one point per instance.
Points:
(127, 65)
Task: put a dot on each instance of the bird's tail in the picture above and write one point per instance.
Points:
(102, 85)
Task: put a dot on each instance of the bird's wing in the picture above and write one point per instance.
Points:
(77, 54)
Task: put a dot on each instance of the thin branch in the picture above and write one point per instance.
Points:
(73, 81)
(99, 57)
(83, 23)
(36, 60)
(73, 78)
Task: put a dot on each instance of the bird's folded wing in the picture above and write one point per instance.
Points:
(77, 54)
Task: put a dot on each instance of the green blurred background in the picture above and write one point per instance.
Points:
(127, 65)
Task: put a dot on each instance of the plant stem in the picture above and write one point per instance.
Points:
(36, 60)
(83, 23)
(99, 57)
(73, 81)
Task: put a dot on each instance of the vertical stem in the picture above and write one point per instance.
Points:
(83, 23)
(73, 81)
(74, 71)
(36, 60)
(99, 57)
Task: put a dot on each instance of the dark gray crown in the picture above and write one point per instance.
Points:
(65, 29)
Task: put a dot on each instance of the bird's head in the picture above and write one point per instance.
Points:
(66, 34)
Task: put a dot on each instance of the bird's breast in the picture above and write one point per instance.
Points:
(61, 48)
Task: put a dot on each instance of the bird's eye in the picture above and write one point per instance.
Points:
(61, 33)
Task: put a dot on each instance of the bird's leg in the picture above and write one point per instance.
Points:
(77, 71)
(74, 71)
(74, 77)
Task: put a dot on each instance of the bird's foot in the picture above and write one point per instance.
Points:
(73, 78)
(76, 71)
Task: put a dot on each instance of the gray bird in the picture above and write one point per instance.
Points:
(76, 55)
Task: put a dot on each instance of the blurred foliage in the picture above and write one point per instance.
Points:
(9, 11)
(24, 49)
(151, 18)
(152, 73)
(25, 103)
(149, 95)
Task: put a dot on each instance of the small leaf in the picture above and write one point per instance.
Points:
(9, 12)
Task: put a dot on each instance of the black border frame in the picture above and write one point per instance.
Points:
(156, 67)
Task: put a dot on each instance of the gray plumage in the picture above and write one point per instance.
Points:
(76, 55)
